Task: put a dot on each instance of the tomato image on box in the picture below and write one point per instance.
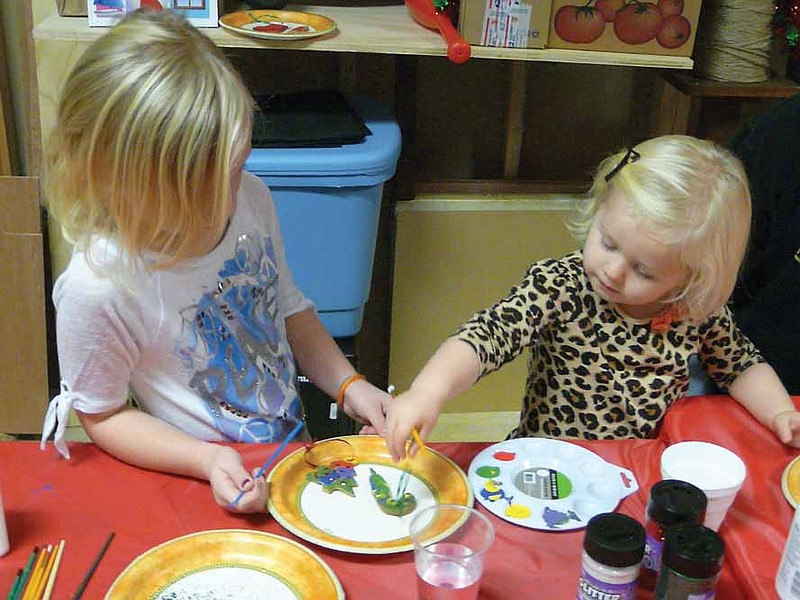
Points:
(644, 27)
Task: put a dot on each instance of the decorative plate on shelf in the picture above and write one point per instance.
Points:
(338, 500)
(547, 484)
(277, 24)
(227, 563)
(790, 482)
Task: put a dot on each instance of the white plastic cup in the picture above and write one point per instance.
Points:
(717, 471)
(450, 545)
(4, 545)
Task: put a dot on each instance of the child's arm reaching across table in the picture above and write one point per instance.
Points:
(453, 369)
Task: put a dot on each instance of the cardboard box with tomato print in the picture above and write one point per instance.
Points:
(639, 26)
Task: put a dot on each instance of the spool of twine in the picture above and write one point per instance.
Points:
(734, 40)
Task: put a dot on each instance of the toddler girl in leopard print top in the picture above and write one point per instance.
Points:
(610, 328)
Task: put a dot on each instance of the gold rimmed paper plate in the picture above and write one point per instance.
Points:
(790, 482)
(333, 506)
(227, 563)
(277, 24)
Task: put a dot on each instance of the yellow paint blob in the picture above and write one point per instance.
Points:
(518, 511)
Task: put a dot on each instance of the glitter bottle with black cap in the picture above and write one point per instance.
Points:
(691, 563)
(613, 546)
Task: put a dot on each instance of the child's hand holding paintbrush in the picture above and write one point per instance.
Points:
(258, 500)
(452, 370)
(230, 479)
(400, 444)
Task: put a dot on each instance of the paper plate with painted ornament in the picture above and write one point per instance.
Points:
(547, 484)
(227, 563)
(340, 493)
(277, 24)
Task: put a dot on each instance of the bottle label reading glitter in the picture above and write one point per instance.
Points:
(653, 547)
(591, 588)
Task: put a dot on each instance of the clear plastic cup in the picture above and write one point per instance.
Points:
(450, 545)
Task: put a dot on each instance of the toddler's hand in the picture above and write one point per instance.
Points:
(407, 411)
(786, 426)
(228, 477)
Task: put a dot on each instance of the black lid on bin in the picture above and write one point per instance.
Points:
(311, 119)
(673, 502)
(693, 550)
(615, 540)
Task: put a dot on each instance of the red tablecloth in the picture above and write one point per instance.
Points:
(84, 499)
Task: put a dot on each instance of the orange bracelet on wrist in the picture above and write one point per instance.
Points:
(343, 388)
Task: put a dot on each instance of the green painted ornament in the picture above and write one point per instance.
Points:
(397, 507)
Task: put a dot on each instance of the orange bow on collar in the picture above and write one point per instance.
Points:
(662, 321)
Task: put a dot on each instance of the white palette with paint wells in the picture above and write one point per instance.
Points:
(547, 484)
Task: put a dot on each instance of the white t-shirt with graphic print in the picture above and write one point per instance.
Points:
(202, 346)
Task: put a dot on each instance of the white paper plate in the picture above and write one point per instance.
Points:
(227, 563)
(352, 521)
(790, 482)
(547, 484)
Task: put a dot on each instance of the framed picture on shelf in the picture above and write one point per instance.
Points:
(106, 13)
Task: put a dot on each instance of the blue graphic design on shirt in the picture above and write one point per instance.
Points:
(235, 345)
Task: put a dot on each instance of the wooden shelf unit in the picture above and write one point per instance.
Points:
(776, 86)
(376, 30)
(682, 97)
(390, 29)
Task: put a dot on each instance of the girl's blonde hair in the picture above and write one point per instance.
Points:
(147, 129)
(694, 195)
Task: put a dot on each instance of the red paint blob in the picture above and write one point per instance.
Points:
(505, 456)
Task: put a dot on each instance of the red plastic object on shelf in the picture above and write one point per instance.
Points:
(426, 14)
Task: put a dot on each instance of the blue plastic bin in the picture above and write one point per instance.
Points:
(328, 202)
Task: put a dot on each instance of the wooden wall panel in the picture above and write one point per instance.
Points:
(454, 256)
(23, 353)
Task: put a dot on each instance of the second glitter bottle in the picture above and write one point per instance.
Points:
(672, 502)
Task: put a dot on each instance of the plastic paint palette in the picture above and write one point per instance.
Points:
(547, 484)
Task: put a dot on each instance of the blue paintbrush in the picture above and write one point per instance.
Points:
(289, 437)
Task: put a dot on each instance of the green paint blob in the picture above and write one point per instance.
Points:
(488, 472)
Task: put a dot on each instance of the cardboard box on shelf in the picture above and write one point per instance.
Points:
(107, 13)
(505, 23)
(665, 27)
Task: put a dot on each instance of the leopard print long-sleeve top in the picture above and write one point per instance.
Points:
(593, 372)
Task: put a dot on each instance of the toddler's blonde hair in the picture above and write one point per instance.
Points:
(694, 195)
(147, 129)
